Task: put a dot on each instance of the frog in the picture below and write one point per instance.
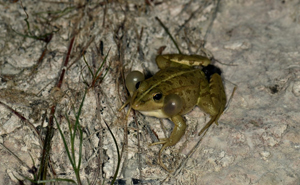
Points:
(182, 82)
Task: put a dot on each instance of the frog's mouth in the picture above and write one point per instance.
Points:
(136, 103)
(130, 102)
(132, 105)
(155, 113)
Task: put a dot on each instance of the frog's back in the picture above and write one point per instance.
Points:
(184, 82)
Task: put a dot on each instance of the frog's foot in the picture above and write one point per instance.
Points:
(175, 136)
(161, 141)
(211, 121)
(166, 142)
(207, 126)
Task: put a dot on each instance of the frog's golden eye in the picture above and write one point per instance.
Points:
(157, 96)
(132, 80)
(172, 105)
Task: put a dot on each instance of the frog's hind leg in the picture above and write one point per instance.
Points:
(177, 133)
(180, 60)
(212, 99)
(211, 121)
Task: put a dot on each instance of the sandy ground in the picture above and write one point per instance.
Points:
(255, 43)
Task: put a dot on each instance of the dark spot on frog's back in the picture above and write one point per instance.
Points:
(192, 82)
(191, 62)
(154, 79)
(180, 82)
(195, 92)
(169, 82)
(181, 57)
(212, 86)
(184, 76)
(191, 75)
(170, 70)
(188, 91)
(163, 76)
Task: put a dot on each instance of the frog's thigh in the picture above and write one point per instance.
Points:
(212, 98)
(180, 60)
(164, 61)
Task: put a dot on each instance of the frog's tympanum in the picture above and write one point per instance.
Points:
(175, 90)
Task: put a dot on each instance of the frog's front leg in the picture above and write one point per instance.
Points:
(177, 133)
(180, 60)
(212, 99)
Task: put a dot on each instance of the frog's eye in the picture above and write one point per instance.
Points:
(172, 105)
(133, 80)
(157, 96)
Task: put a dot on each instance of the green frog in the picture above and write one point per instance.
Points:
(175, 89)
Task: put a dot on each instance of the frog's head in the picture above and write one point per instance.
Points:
(148, 98)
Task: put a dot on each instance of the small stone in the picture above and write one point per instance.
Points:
(296, 88)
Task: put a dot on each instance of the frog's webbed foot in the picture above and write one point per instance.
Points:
(161, 141)
(211, 121)
(166, 142)
(175, 136)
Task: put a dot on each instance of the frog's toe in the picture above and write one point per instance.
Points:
(166, 143)
(212, 120)
(159, 157)
(164, 166)
(161, 141)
